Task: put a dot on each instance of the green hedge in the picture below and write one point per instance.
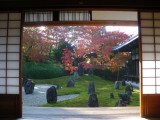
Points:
(109, 75)
(42, 70)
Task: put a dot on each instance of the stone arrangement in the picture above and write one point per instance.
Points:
(75, 75)
(51, 95)
(90, 72)
(120, 103)
(111, 95)
(93, 101)
(70, 83)
(91, 88)
(80, 69)
(129, 89)
(116, 85)
(124, 99)
(29, 87)
(24, 81)
(123, 83)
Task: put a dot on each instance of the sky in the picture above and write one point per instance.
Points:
(130, 30)
(126, 29)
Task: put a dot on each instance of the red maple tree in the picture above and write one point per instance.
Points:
(92, 44)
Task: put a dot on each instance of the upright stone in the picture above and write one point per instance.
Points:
(91, 88)
(80, 69)
(93, 101)
(131, 87)
(70, 83)
(123, 83)
(124, 99)
(90, 72)
(24, 81)
(116, 85)
(111, 95)
(51, 95)
(128, 90)
(29, 87)
(76, 76)
(120, 103)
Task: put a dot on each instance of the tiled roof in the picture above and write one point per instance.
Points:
(116, 48)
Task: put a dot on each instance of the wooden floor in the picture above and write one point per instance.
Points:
(66, 113)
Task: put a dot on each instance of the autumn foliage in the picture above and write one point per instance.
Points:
(67, 60)
(36, 46)
(92, 46)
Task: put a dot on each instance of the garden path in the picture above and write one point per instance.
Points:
(39, 96)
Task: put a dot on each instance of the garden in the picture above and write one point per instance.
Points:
(55, 55)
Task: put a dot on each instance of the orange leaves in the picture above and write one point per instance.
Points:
(118, 60)
(67, 60)
(92, 45)
(36, 44)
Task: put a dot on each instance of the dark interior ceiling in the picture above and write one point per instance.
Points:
(58, 4)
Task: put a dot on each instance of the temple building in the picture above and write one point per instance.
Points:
(132, 65)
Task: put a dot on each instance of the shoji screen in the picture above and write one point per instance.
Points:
(10, 91)
(150, 37)
(10, 24)
(149, 23)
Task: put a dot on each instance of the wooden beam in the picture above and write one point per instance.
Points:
(50, 4)
(89, 23)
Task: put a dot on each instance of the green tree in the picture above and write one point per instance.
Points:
(58, 51)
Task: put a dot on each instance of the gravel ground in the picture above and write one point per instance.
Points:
(39, 96)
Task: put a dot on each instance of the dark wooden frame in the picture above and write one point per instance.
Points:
(62, 4)
(22, 5)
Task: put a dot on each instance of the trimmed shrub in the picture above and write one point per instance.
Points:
(109, 75)
(42, 70)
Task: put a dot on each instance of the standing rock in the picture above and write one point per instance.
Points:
(123, 83)
(76, 76)
(90, 72)
(70, 83)
(116, 85)
(51, 95)
(111, 95)
(24, 81)
(124, 99)
(80, 69)
(29, 87)
(128, 90)
(120, 103)
(91, 88)
(93, 101)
